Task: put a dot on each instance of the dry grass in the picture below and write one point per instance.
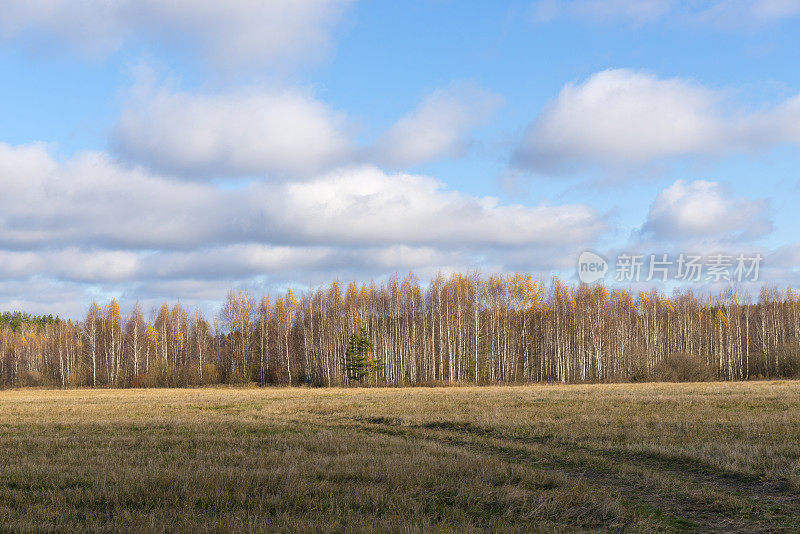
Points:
(641, 457)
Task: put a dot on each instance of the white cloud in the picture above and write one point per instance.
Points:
(440, 126)
(90, 223)
(365, 205)
(231, 32)
(703, 210)
(89, 199)
(628, 118)
(284, 133)
(248, 132)
(71, 263)
(622, 117)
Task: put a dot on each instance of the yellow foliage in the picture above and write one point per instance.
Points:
(152, 335)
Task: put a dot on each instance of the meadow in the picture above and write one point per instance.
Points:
(656, 457)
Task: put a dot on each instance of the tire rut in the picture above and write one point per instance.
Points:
(772, 492)
(629, 475)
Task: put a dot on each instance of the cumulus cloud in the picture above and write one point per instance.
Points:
(440, 126)
(72, 263)
(366, 205)
(91, 199)
(621, 116)
(90, 222)
(627, 118)
(231, 32)
(275, 132)
(703, 210)
(284, 133)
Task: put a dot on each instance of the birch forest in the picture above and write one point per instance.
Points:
(472, 329)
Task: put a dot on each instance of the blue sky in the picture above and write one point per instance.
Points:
(171, 151)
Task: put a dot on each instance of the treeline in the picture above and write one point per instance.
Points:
(14, 320)
(461, 329)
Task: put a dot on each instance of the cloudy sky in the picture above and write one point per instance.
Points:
(157, 150)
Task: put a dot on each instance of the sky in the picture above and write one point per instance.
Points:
(172, 151)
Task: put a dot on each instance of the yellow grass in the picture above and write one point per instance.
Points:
(643, 457)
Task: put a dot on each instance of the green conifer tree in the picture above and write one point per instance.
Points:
(358, 360)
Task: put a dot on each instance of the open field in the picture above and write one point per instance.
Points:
(641, 457)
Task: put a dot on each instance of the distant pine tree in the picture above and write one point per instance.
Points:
(16, 319)
(358, 359)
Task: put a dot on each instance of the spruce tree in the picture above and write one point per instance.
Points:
(359, 362)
